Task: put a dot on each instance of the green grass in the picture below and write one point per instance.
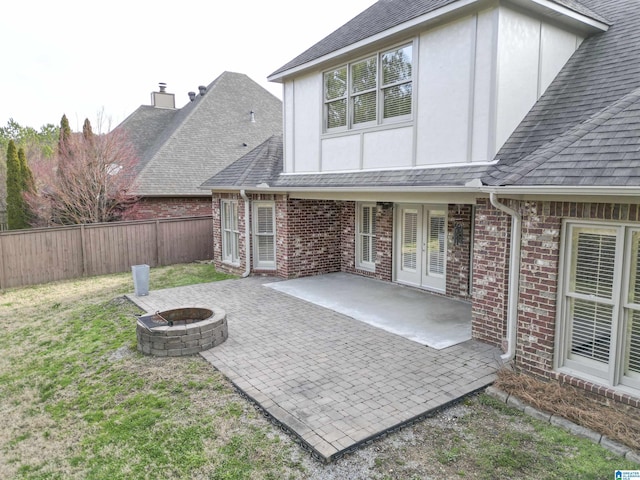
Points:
(86, 404)
(539, 451)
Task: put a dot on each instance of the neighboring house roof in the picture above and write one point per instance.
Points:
(591, 86)
(584, 130)
(182, 148)
(386, 14)
(145, 125)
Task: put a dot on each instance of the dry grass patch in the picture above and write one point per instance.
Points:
(617, 421)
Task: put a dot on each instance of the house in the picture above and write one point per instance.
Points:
(487, 151)
(179, 148)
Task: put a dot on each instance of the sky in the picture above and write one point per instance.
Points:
(87, 58)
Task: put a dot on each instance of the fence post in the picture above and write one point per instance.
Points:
(83, 251)
(159, 244)
(2, 262)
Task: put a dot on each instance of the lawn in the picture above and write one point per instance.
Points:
(77, 401)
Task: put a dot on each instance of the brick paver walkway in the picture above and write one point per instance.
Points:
(333, 381)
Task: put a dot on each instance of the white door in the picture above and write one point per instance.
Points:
(422, 246)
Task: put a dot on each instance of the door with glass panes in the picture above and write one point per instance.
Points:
(421, 232)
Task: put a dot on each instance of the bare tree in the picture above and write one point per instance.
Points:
(90, 181)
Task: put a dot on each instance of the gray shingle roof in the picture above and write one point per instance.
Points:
(422, 177)
(205, 136)
(386, 14)
(570, 123)
(604, 150)
(144, 126)
(263, 165)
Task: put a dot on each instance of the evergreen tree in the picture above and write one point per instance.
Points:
(65, 136)
(17, 216)
(87, 131)
(28, 183)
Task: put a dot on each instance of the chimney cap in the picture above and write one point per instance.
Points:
(163, 87)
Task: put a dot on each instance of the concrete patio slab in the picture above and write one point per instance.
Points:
(431, 320)
(332, 381)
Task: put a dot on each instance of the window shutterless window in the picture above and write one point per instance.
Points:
(264, 235)
(599, 311)
(370, 91)
(366, 236)
(230, 232)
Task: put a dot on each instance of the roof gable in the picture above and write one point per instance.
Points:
(385, 15)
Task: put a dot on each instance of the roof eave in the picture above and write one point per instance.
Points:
(279, 76)
(541, 191)
(579, 21)
(582, 194)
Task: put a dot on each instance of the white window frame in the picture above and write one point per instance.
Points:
(612, 372)
(362, 235)
(229, 228)
(380, 89)
(260, 263)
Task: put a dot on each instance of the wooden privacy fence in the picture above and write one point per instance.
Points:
(41, 255)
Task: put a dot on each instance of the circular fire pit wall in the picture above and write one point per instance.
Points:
(181, 331)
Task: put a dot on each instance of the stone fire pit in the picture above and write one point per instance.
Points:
(181, 331)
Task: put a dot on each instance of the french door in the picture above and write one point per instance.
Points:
(421, 254)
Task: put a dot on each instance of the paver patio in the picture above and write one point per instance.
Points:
(332, 381)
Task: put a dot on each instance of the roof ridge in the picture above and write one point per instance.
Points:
(547, 151)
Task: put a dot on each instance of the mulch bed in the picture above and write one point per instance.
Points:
(617, 421)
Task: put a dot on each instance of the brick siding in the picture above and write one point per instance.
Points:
(149, 208)
(217, 234)
(539, 274)
(308, 237)
(541, 232)
(490, 273)
(384, 242)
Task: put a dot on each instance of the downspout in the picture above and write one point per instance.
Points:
(247, 252)
(514, 277)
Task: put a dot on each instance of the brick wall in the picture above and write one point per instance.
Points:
(217, 233)
(541, 232)
(170, 207)
(384, 242)
(539, 274)
(490, 273)
(540, 250)
(308, 234)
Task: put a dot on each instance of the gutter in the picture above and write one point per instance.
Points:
(247, 253)
(514, 277)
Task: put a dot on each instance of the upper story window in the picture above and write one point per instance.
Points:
(369, 91)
